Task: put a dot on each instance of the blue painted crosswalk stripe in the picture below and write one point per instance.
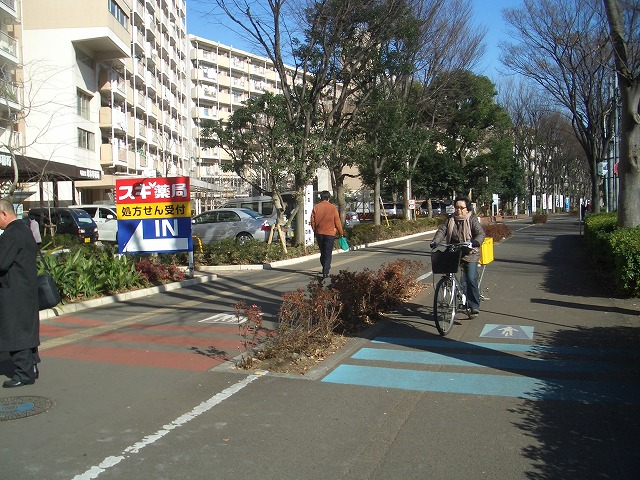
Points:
(490, 361)
(589, 375)
(504, 347)
(484, 384)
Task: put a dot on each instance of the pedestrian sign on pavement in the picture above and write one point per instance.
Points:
(154, 215)
(520, 332)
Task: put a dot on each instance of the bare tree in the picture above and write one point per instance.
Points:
(562, 45)
(545, 143)
(448, 43)
(624, 23)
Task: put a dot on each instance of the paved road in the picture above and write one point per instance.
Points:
(542, 385)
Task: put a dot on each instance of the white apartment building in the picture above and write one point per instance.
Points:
(97, 89)
(108, 93)
(222, 78)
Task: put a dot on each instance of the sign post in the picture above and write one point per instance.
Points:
(154, 215)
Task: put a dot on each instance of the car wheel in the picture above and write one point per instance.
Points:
(243, 238)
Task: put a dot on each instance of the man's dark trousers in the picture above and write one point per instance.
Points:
(325, 243)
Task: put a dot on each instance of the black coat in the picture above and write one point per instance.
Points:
(19, 318)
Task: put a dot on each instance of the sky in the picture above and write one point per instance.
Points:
(488, 13)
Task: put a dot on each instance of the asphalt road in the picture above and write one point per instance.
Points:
(542, 385)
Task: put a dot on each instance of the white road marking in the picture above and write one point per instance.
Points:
(205, 406)
(425, 276)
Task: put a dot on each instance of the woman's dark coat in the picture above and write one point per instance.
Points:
(19, 318)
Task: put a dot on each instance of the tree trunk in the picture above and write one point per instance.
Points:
(376, 201)
(338, 192)
(299, 220)
(629, 167)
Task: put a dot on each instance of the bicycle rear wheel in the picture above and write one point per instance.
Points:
(444, 305)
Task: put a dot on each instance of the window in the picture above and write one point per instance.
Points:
(117, 12)
(228, 217)
(86, 139)
(84, 103)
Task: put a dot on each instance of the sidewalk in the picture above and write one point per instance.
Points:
(400, 402)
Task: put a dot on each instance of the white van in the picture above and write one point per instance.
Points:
(106, 218)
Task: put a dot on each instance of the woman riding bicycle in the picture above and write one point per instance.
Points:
(464, 226)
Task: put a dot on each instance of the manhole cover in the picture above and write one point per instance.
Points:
(20, 407)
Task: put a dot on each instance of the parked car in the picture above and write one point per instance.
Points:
(351, 219)
(106, 217)
(437, 207)
(263, 204)
(63, 220)
(392, 208)
(240, 223)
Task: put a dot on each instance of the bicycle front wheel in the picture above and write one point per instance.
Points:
(444, 305)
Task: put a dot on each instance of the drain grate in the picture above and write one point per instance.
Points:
(12, 408)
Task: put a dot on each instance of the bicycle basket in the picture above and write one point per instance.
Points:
(445, 262)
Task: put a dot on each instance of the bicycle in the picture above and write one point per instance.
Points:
(449, 296)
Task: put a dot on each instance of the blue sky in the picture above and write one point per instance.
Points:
(488, 13)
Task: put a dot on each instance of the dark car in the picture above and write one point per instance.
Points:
(437, 207)
(62, 220)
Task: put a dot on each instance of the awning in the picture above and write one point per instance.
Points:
(35, 169)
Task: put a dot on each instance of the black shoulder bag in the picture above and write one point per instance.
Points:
(48, 293)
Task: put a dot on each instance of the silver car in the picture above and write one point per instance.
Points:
(351, 219)
(240, 223)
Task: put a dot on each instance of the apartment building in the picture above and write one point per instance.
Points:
(223, 77)
(109, 81)
(93, 90)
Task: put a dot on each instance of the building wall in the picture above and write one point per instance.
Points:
(148, 85)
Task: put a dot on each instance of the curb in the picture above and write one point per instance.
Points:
(204, 274)
(122, 297)
(293, 261)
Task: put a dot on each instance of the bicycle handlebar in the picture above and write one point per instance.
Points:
(455, 246)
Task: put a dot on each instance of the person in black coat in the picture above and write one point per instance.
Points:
(19, 317)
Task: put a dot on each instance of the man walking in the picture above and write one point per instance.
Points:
(325, 222)
(19, 318)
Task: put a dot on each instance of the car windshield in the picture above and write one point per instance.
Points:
(251, 213)
(83, 217)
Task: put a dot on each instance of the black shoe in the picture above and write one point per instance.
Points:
(474, 313)
(17, 383)
(36, 372)
(325, 275)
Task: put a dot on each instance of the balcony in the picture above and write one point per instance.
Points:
(10, 95)
(10, 12)
(113, 155)
(9, 47)
(110, 81)
(110, 118)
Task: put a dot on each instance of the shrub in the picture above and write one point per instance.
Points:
(364, 295)
(497, 231)
(153, 272)
(539, 218)
(308, 322)
(250, 331)
(614, 251)
(625, 251)
(365, 233)
(597, 229)
(305, 324)
(87, 271)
